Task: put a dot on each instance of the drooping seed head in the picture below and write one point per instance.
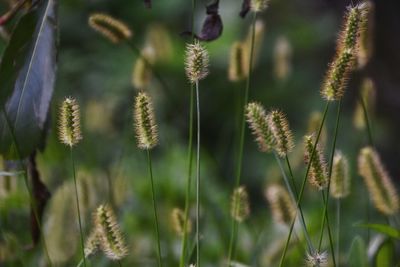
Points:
(238, 62)
(178, 222)
(317, 259)
(113, 29)
(318, 174)
(368, 95)
(240, 207)
(92, 243)
(381, 189)
(340, 179)
(69, 122)
(258, 122)
(111, 240)
(145, 124)
(258, 5)
(279, 126)
(282, 207)
(196, 62)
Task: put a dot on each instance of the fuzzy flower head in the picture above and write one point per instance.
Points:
(69, 122)
(340, 179)
(258, 122)
(113, 29)
(237, 62)
(282, 207)
(317, 259)
(240, 207)
(258, 5)
(145, 124)
(92, 243)
(196, 62)
(178, 222)
(110, 237)
(279, 126)
(318, 173)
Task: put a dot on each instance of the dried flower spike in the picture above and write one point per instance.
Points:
(240, 207)
(381, 189)
(69, 122)
(318, 174)
(282, 208)
(111, 240)
(258, 5)
(258, 122)
(279, 126)
(237, 62)
(145, 124)
(92, 243)
(317, 259)
(113, 29)
(178, 221)
(196, 62)
(340, 179)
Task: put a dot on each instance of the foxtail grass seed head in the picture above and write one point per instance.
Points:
(340, 179)
(237, 62)
(258, 5)
(366, 37)
(142, 74)
(368, 94)
(258, 122)
(69, 122)
(110, 238)
(317, 259)
(92, 243)
(240, 207)
(282, 207)
(145, 123)
(318, 174)
(381, 189)
(113, 29)
(178, 222)
(282, 58)
(196, 62)
(279, 126)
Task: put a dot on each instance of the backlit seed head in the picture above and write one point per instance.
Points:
(238, 62)
(92, 243)
(340, 179)
(318, 174)
(366, 41)
(240, 207)
(279, 126)
(145, 124)
(282, 207)
(178, 222)
(113, 29)
(282, 57)
(317, 259)
(69, 122)
(258, 5)
(141, 75)
(368, 94)
(196, 62)
(109, 233)
(258, 122)
(381, 189)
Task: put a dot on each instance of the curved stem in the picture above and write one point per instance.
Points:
(304, 183)
(153, 195)
(232, 244)
(198, 178)
(78, 207)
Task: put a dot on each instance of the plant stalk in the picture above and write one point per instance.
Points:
(198, 178)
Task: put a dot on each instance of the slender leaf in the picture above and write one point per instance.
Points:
(358, 253)
(382, 228)
(27, 78)
(384, 257)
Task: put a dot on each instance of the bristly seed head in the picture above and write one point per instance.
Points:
(69, 122)
(92, 243)
(279, 126)
(258, 5)
(240, 207)
(111, 240)
(381, 189)
(178, 222)
(145, 124)
(318, 174)
(340, 179)
(282, 207)
(196, 62)
(317, 259)
(258, 122)
(113, 29)
(237, 62)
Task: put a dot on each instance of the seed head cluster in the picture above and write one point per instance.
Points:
(237, 62)
(340, 178)
(178, 221)
(258, 122)
(69, 122)
(240, 207)
(283, 136)
(145, 124)
(113, 29)
(282, 207)
(318, 174)
(317, 259)
(197, 61)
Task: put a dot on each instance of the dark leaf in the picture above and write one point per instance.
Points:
(382, 228)
(147, 3)
(245, 8)
(27, 77)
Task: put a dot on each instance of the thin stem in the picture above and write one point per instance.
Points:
(78, 207)
(303, 184)
(338, 230)
(232, 244)
(153, 196)
(80, 262)
(367, 121)
(31, 198)
(198, 178)
(326, 216)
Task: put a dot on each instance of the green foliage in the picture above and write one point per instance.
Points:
(383, 228)
(358, 253)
